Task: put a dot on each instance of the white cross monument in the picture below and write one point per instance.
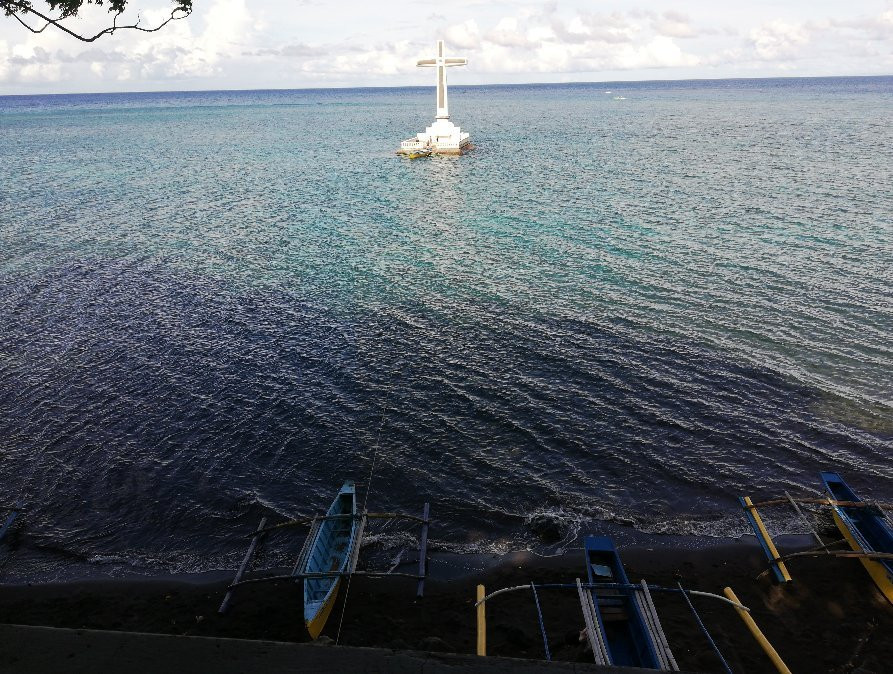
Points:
(443, 136)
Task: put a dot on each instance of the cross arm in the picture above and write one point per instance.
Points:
(453, 62)
(427, 62)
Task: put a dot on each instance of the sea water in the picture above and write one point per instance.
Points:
(611, 315)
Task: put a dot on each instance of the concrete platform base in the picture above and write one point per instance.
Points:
(35, 650)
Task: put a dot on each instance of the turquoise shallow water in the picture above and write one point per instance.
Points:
(216, 305)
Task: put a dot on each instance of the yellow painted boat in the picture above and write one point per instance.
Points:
(415, 154)
(865, 529)
(330, 555)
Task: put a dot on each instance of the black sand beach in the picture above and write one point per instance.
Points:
(830, 619)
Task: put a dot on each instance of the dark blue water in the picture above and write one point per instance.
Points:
(624, 313)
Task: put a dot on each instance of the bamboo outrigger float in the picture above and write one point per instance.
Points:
(330, 554)
(865, 527)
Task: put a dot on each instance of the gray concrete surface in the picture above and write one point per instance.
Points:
(35, 650)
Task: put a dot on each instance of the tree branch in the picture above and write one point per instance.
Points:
(21, 21)
(14, 7)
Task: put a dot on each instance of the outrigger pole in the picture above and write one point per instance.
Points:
(757, 633)
(299, 571)
(765, 540)
(243, 566)
(423, 552)
(777, 560)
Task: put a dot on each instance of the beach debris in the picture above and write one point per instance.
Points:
(436, 645)
(547, 529)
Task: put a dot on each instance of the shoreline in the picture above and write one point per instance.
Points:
(443, 564)
(830, 602)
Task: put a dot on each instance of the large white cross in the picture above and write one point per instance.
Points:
(441, 63)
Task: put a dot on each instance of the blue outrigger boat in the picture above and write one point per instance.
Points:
(865, 529)
(330, 555)
(624, 634)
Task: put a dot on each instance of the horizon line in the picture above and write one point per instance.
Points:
(426, 86)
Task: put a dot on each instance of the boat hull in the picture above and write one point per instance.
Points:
(624, 631)
(878, 572)
(329, 556)
(864, 531)
(316, 624)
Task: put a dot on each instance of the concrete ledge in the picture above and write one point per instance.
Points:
(36, 650)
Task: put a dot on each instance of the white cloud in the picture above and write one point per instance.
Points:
(779, 40)
(661, 52)
(584, 42)
(176, 52)
(508, 33)
(674, 24)
(465, 35)
(4, 60)
(231, 43)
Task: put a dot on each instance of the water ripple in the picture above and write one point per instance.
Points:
(208, 309)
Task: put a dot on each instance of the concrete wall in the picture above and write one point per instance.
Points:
(39, 650)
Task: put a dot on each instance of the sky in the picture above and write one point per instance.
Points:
(288, 44)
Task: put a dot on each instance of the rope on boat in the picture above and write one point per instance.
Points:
(704, 630)
(362, 522)
(243, 566)
(374, 458)
(539, 615)
(803, 517)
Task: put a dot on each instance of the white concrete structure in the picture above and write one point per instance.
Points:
(442, 136)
